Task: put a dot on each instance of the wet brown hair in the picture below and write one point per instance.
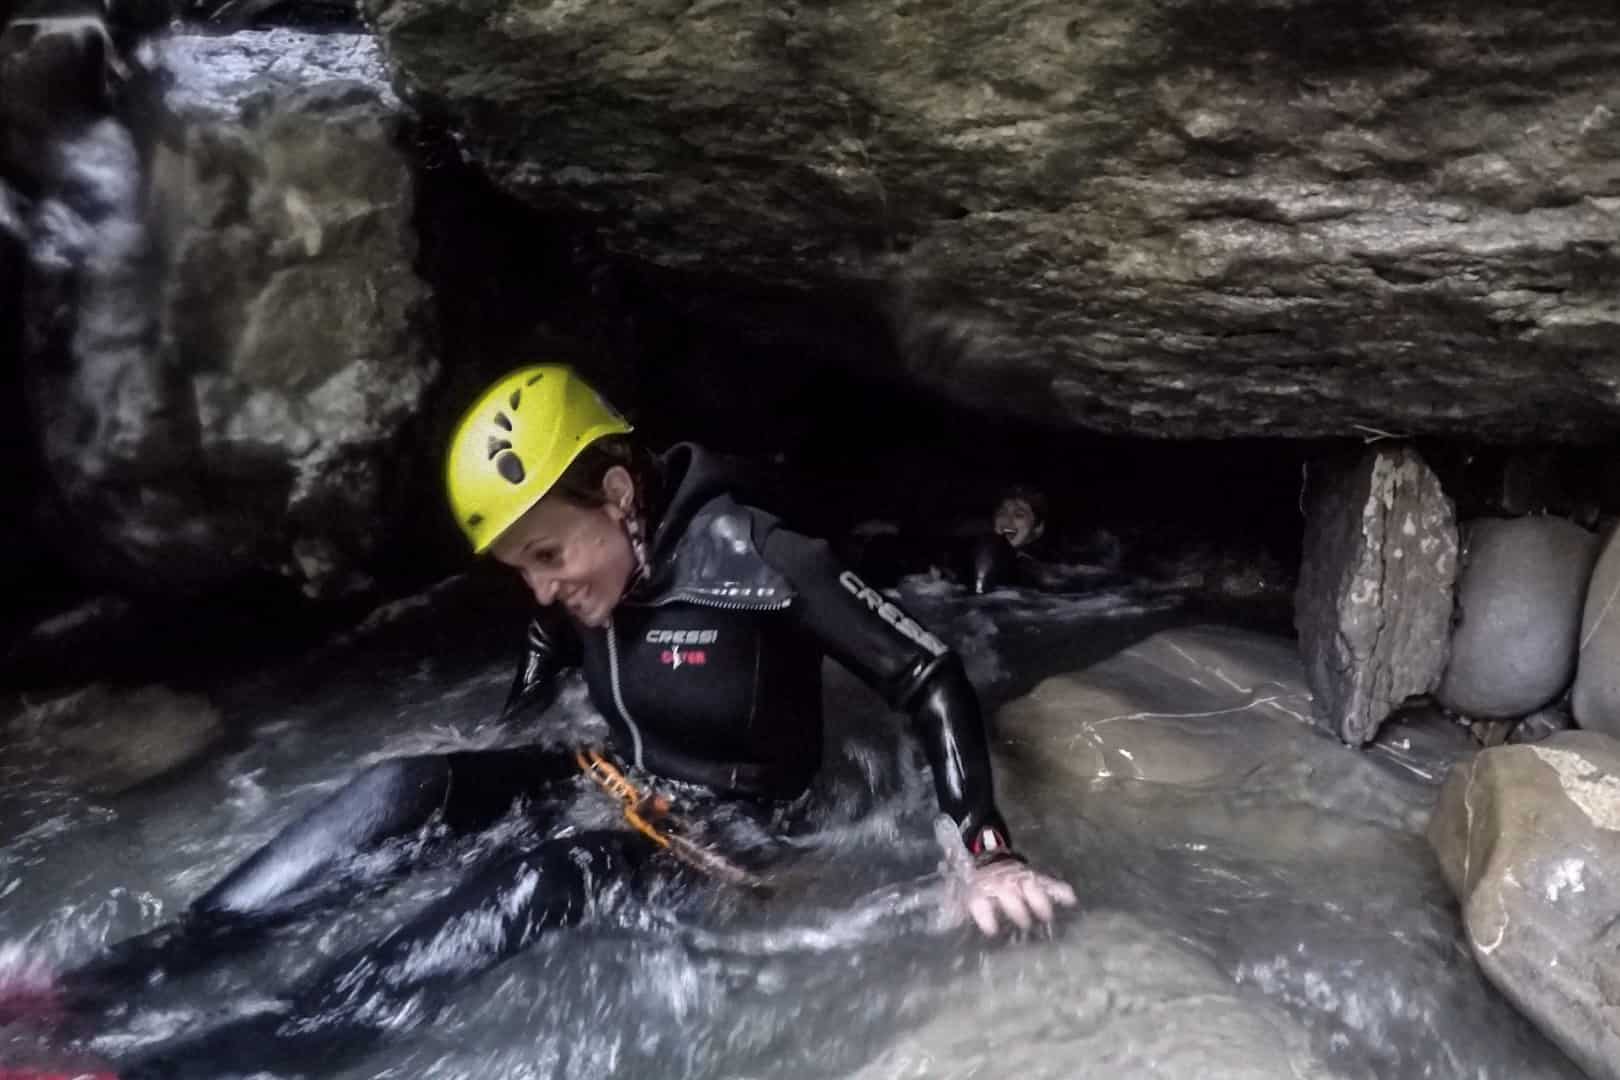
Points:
(581, 482)
(1033, 497)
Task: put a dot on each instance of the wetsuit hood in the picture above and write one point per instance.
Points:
(703, 549)
(689, 477)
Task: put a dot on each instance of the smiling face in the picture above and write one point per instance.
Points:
(573, 555)
(1017, 520)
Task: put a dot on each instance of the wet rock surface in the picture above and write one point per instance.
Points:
(1374, 603)
(1163, 1001)
(1211, 809)
(1595, 699)
(1292, 218)
(1255, 889)
(105, 741)
(1529, 840)
(1520, 593)
(207, 75)
(1542, 723)
(242, 341)
(59, 68)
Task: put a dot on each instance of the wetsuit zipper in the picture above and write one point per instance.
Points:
(618, 694)
(704, 601)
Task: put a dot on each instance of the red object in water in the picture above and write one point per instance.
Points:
(39, 1003)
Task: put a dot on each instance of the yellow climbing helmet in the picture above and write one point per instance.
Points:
(514, 443)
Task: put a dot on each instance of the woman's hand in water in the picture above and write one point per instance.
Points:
(1004, 884)
(1015, 889)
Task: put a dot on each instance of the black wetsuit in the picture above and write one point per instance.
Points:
(708, 672)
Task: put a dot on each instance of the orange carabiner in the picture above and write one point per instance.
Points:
(639, 808)
(615, 783)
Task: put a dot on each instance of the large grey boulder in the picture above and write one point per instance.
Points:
(1528, 838)
(1160, 217)
(248, 341)
(1373, 606)
(1519, 600)
(1595, 699)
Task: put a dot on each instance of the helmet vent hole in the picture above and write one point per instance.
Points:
(535, 379)
(510, 466)
(503, 421)
(496, 445)
(475, 521)
(517, 396)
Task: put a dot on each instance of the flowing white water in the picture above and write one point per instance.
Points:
(1261, 932)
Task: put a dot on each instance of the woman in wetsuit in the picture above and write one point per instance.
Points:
(699, 624)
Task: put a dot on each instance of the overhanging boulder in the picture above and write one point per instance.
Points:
(1279, 217)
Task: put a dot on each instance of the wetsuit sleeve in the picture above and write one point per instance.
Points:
(550, 646)
(914, 671)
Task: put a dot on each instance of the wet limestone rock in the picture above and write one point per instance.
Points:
(1204, 707)
(1528, 838)
(1195, 744)
(1519, 597)
(1373, 606)
(247, 342)
(1165, 217)
(1596, 696)
(1112, 992)
(105, 740)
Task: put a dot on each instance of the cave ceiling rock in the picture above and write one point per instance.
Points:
(1175, 219)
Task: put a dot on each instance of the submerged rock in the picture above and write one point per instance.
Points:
(1519, 598)
(1596, 696)
(1282, 906)
(106, 741)
(1183, 217)
(1374, 602)
(1211, 809)
(1529, 840)
(1115, 993)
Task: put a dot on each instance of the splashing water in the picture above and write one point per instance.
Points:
(1243, 931)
